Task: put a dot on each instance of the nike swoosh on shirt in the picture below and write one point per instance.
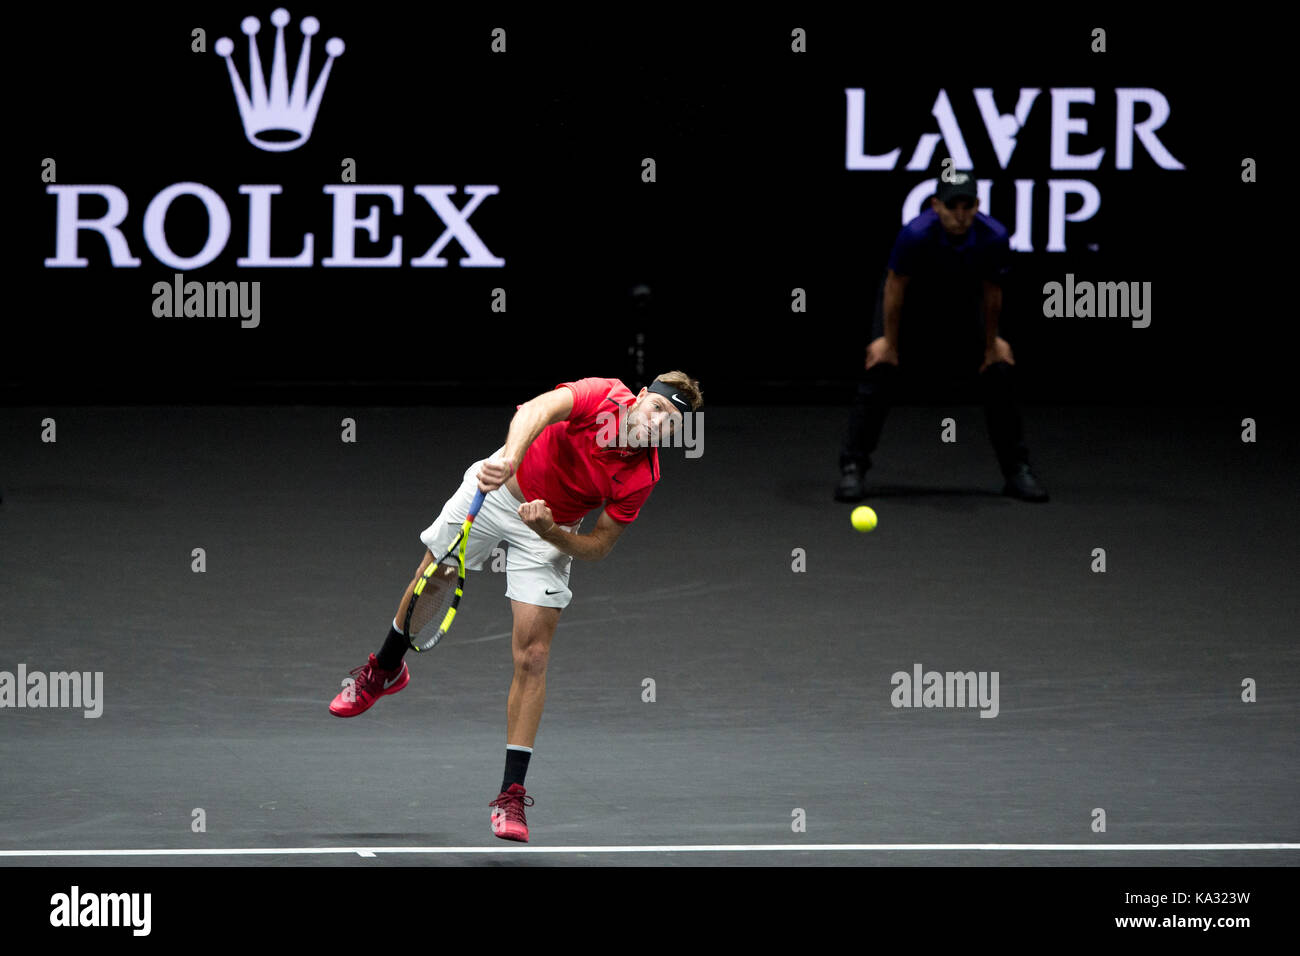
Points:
(549, 591)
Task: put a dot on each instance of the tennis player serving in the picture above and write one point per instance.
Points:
(588, 444)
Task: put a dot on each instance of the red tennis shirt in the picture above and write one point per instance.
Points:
(567, 466)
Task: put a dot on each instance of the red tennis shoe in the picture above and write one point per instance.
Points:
(369, 683)
(508, 820)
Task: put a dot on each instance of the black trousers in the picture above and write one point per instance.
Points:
(941, 346)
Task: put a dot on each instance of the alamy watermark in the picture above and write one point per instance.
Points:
(78, 909)
(57, 689)
(948, 689)
(208, 300)
(689, 434)
(1098, 300)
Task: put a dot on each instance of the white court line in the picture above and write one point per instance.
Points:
(370, 851)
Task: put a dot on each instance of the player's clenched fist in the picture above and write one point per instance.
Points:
(537, 516)
(494, 473)
(881, 351)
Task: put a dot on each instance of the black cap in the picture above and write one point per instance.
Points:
(963, 185)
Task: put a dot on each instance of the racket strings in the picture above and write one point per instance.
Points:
(435, 598)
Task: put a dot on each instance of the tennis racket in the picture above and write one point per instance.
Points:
(433, 598)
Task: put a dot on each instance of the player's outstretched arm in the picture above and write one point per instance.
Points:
(895, 292)
(534, 415)
(531, 417)
(992, 301)
(585, 547)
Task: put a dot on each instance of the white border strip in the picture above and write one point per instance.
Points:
(690, 848)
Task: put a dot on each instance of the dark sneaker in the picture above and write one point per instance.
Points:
(851, 486)
(369, 684)
(1022, 484)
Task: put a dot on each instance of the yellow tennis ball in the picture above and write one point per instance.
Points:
(863, 518)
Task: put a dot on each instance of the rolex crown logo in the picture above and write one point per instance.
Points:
(281, 119)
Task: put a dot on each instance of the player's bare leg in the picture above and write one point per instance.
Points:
(534, 627)
(385, 673)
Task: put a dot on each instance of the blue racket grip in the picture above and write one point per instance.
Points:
(475, 504)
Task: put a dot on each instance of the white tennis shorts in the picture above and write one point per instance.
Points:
(536, 572)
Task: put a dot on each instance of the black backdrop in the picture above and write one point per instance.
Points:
(752, 201)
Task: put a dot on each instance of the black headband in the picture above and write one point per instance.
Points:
(680, 402)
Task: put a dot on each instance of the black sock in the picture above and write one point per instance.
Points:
(516, 767)
(395, 646)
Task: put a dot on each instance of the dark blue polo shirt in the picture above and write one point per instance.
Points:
(942, 305)
(924, 252)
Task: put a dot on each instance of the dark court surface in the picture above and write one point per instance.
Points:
(1119, 690)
